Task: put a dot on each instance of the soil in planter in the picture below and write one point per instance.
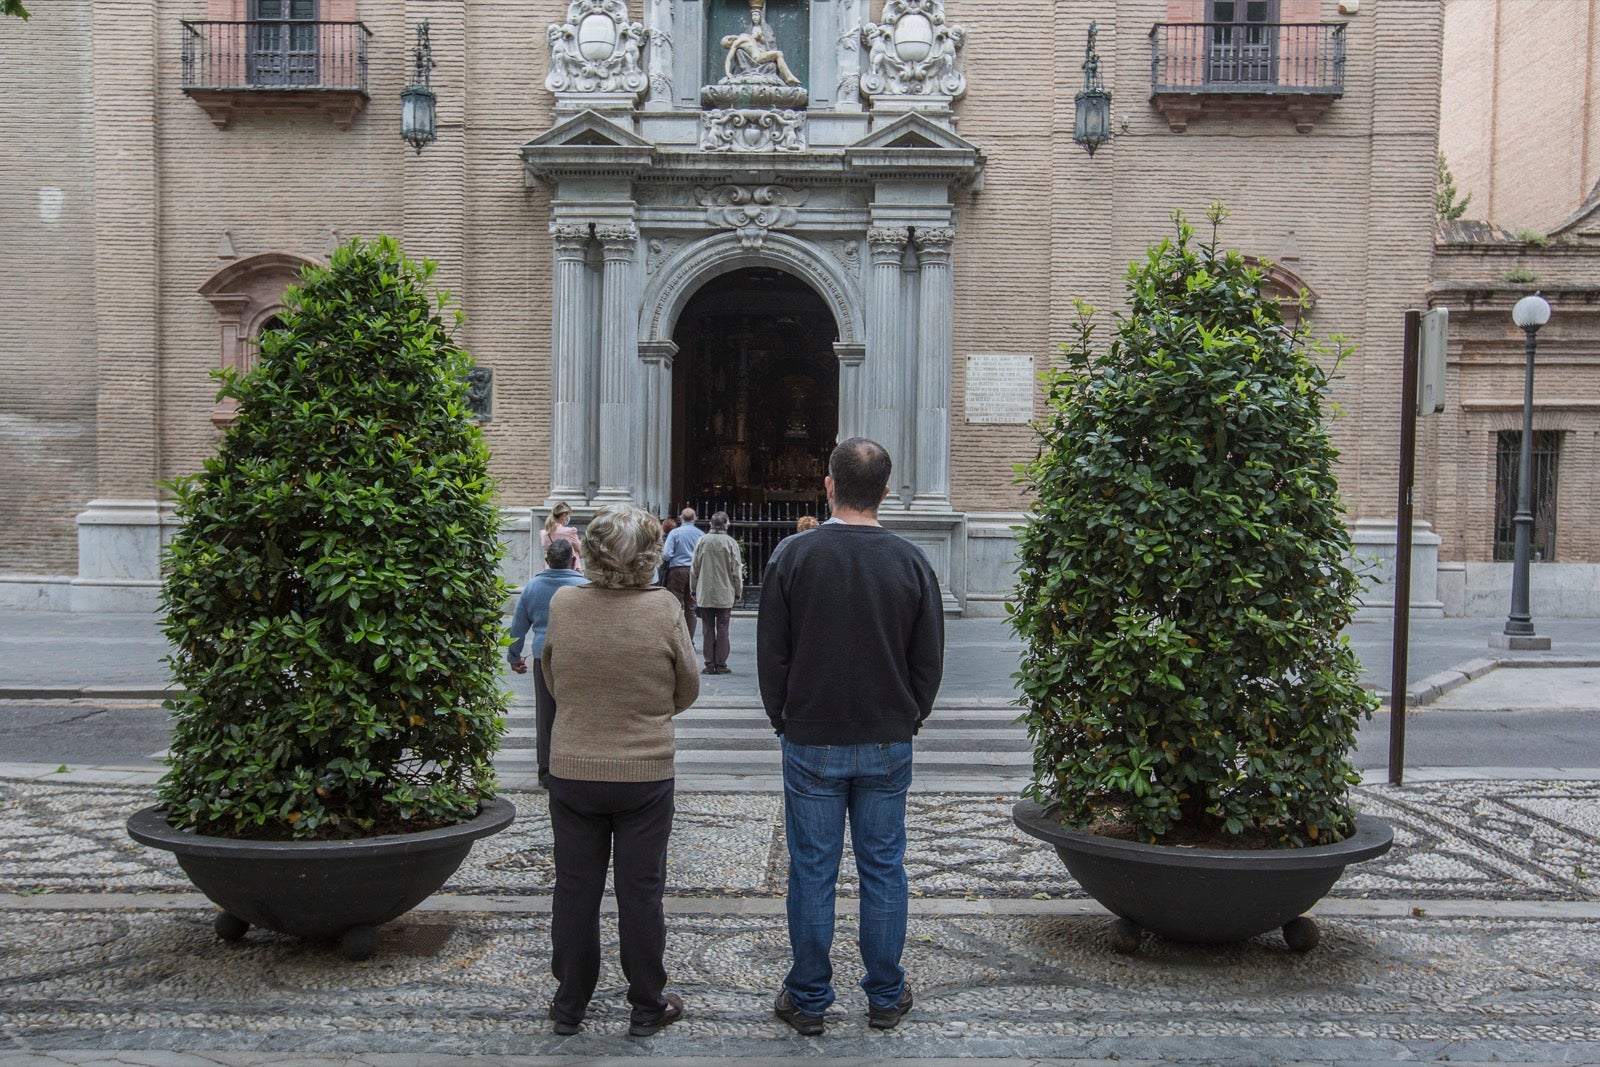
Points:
(385, 824)
(1184, 835)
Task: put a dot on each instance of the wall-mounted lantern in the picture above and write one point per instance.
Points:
(1092, 127)
(418, 122)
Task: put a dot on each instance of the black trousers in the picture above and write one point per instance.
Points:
(589, 818)
(544, 721)
(716, 637)
(678, 586)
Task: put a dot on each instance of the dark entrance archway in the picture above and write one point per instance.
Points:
(755, 404)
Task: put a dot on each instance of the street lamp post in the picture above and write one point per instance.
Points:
(1530, 313)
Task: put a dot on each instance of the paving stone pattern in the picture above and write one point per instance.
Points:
(1491, 840)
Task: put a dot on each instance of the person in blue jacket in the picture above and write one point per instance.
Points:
(531, 616)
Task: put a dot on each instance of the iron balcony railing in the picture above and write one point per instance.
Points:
(268, 55)
(1256, 57)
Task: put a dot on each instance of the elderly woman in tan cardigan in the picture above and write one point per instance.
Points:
(620, 665)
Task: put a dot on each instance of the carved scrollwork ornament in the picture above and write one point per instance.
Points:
(597, 50)
(752, 210)
(752, 130)
(913, 52)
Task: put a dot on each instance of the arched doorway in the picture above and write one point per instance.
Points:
(755, 403)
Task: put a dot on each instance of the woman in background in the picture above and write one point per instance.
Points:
(556, 526)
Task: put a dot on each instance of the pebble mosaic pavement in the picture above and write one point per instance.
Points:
(138, 973)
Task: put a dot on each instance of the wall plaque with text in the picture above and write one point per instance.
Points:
(1000, 389)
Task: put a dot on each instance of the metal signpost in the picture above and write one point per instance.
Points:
(1421, 393)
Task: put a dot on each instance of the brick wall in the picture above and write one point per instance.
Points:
(47, 336)
(1519, 122)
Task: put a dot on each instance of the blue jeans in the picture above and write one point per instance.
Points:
(821, 784)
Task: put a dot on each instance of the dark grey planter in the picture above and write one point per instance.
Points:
(319, 889)
(1204, 895)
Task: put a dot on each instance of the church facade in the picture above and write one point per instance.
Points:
(695, 241)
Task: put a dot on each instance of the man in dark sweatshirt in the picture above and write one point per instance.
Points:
(850, 651)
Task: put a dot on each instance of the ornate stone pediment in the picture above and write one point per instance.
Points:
(913, 52)
(917, 143)
(586, 142)
(596, 56)
(752, 210)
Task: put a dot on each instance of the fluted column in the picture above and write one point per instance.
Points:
(934, 352)
(882, 417)
(570, 428)
(617, 437)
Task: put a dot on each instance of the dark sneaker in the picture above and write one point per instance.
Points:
(669, 1015)
(709, 669)
(724, 670)
(562, 1027)
(804, 1025)
(888, 1018)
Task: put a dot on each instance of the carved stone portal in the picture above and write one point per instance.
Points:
(596, 54)
(913, 53)
(752, 130)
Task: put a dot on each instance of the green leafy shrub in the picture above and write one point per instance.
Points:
(333, 596)
(1184, 575)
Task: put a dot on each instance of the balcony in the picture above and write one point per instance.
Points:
(277, 67)
(1246, 70)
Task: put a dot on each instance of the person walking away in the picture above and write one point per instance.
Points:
(677, 557)
(716, 578)
(620, 665)
(528, 622)
(556, 525)
(849, 653)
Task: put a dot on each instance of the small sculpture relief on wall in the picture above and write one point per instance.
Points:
(913, 52)
(752, 130)
(480, 392)
(752, 210)
(597, 50)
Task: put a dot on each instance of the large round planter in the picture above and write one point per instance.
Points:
(1204, 895)
(319, 889)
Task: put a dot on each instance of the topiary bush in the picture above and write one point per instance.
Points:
(333, 596)
(1184, 570)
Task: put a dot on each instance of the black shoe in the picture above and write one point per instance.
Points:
(708, 669)
(669, 1015)
(562, 1027)
(724, 670)
(804, 1025)
(888, 1018)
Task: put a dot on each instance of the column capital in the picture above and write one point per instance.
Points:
(888, 243)
(618, 242)
(570, 239)
(935, 244)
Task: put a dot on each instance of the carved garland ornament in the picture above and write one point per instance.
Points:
(913, 52)
(752, 130)
(597, 50)
(752, 211)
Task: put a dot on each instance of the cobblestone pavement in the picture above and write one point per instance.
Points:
(1475, 939)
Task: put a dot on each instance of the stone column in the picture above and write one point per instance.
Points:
(657, 359)
(617, 359)
(934, 353)
(880, 394)
(570, 430)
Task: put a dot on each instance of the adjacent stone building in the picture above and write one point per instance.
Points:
(696, 241)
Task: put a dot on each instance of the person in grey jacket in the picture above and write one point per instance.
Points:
(716, 577)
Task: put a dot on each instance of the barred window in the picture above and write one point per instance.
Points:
(1546, 467)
